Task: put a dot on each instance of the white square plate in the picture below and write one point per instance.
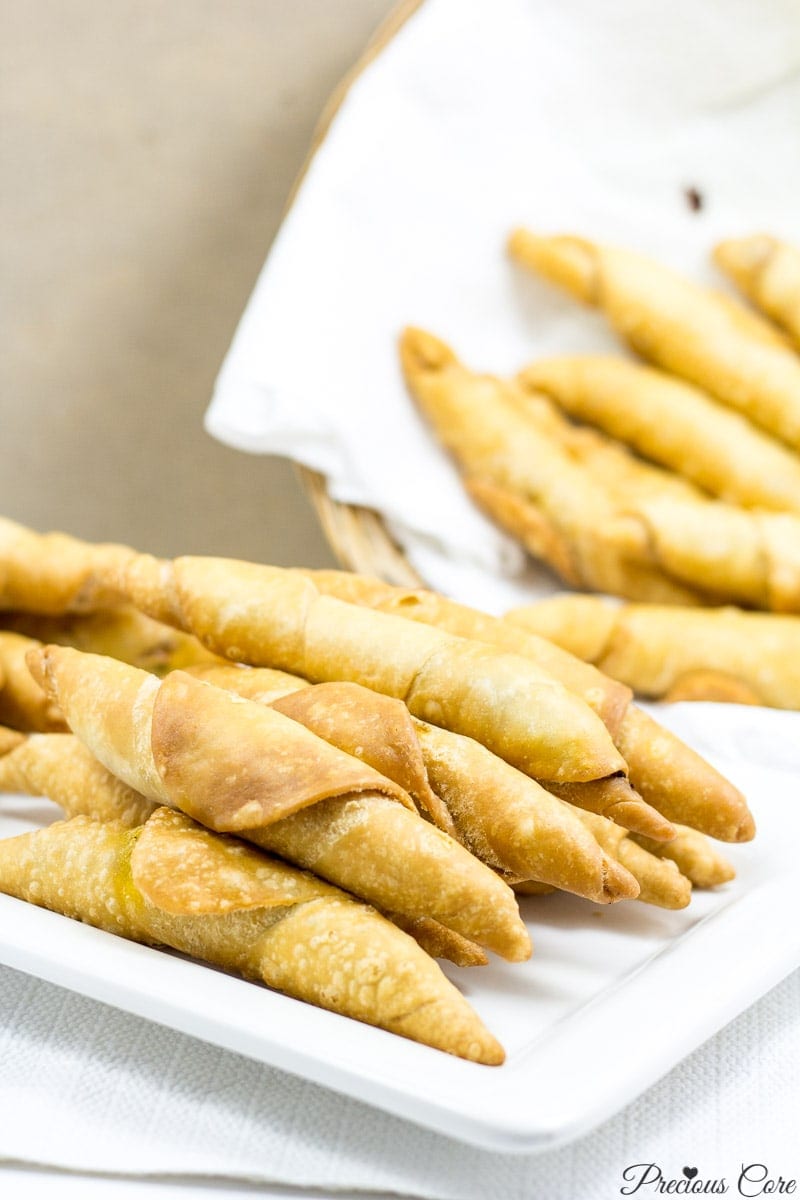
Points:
(612, 998)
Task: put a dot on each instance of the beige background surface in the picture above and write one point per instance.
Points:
(148, 147)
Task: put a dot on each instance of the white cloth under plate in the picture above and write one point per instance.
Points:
(583, 117)
(87, 1088)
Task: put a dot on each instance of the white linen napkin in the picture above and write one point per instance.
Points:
(580, 117)
(86, 1088)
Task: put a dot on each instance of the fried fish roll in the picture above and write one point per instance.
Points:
(678, 653)
(271, 617)
(688, 330)
(661, 765)
(173, 883)
(694, 855)
(504, 818)
(121, 632)
(673, 424)
(23, 704)
(241, 767)
(767, 270)
(54, 573)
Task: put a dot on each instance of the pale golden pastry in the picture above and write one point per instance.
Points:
(660, 881)
(694, 855)
(503, 817)
(691, 331)
(533, 481)
(607, 536)
(23, 704)
(62, 768)
(676, 783)
(173, 883)
(272, 617)
(674, 424)
(54, 573)
(9, 740)
(122, 632)
(241, 767)
(767, 270)
(678, 653)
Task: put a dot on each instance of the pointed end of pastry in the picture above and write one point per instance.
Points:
(517, 946)
(570, 262)
(423, 354)
(9, 740)
(746, 830)
(39, 661)
(640, 817)
(743, 258)
(618, 883)
(451, 1025)
(149, 584)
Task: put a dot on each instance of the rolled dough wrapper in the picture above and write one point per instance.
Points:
(272, 617)
(679, 653)
(691, 331)
(533, 480)
(62, 768)
(173, 883)
(54, 573)
(767, 270)
(9, 740)
(503, 817)
(676, 767)
(674, 424)
(23, 703)
(243, 768)
(121, 632)
(694, 855)
(660, 881)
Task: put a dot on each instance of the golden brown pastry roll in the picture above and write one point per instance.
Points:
(678, 653)
(272, 617)
(54, 573)
(60, 767)
(675, 424)
(503, 817)
(534, 481)
(612, 572)
(688, 330)
(663, 769)
(694, 855)
(244, 768)
(9, 740)
(23, 704)
(749, 557)
(660, 881)
(173, 883)
(121, 632)
(767, 270)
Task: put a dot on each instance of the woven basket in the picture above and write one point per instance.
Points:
(357, 536)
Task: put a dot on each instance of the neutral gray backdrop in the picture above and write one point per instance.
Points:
(148, 148)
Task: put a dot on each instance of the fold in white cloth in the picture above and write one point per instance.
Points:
(581, 117)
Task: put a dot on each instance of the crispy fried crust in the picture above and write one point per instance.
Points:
(175, 884)
(691, 331)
